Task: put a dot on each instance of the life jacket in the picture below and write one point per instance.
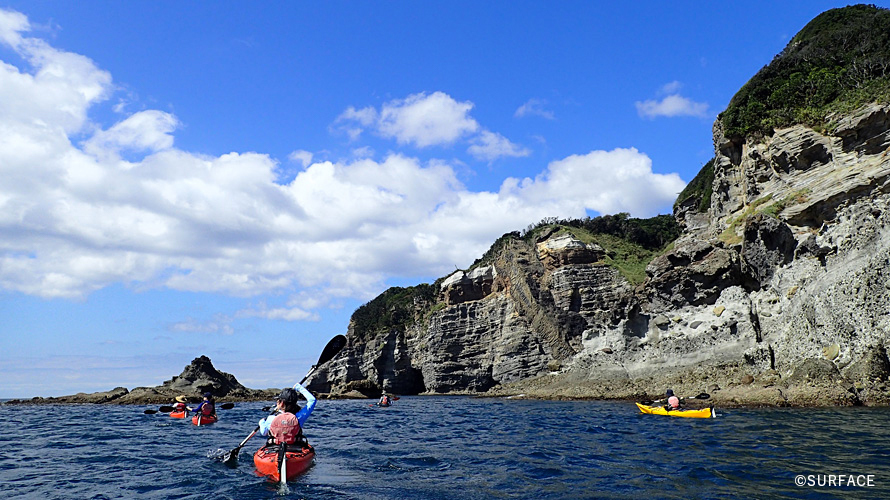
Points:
(179, 407)
(384, 400)
(285, 428)
(207, 408)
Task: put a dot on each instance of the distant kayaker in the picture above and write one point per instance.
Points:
(287, 424)
(673, 402)
(181, 403)
(207, 407)
(384, 400)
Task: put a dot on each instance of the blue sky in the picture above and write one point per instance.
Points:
(233, 179)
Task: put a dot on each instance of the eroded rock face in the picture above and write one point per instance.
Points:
(768, 244)
(564, 250)
(792, 256)
(694, 273)
(200, 376)
(465, 286)
(500, 323)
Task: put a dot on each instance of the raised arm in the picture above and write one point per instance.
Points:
(304, 413)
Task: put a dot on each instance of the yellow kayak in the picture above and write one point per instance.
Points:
(659, 410)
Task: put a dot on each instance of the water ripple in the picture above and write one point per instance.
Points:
(444, 448)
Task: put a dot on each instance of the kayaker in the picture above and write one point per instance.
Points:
(384, 400)
(287, 424)
(673, 402)
(207, 407)
(180, 403)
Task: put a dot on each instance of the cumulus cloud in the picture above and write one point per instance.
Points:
(608, 182)
(672, 104)
(78, 217)
(144, 131)
(490, 146)
(302, 157)
(353, 121)
(426, 120)
(58, 93)
(534, 107)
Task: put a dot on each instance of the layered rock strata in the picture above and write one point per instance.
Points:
(779, 294)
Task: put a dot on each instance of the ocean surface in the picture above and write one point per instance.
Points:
(452, 448)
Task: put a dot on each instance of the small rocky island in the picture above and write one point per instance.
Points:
(198, 377)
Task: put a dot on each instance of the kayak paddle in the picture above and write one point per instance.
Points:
(703, 395)
(168, 409)
(232, 456)
(162, 409)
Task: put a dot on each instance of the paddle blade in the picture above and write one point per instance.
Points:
(703, 395)
(165, 409)
(150, 412)
(333, 347)
(231, 457)
(227, 406)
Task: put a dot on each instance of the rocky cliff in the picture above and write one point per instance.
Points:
(776, 292)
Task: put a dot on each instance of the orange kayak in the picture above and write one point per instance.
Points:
(200, 419)
(298, 461)
(179, 414)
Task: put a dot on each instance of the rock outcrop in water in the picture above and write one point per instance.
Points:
(196, 378)
(777, 292)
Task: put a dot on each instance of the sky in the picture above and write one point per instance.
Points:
(234, 179)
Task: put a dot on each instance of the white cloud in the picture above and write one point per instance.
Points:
(608, 182)
(144, 131)
(75, 218)
(58, 93)
(11, 26)
(353, 121)
(302, 157)
(490, 146)
(220, 325)
(426, 120)
(534, 107)
(670, 106)
(671, 88)
(282, 313)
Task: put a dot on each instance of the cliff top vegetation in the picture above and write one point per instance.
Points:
(839, 61)
(630, 244)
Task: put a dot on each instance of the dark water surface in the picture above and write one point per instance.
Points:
(452, 447)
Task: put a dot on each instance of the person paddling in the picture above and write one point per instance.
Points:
(180, 405)
(286, 426)
(384, 400)
(673, 402)
(207, 407)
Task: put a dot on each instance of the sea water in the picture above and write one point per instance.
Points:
(452, 448)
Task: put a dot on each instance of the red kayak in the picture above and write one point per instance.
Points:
(298, 461)
(201, 419)
(179, 414)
